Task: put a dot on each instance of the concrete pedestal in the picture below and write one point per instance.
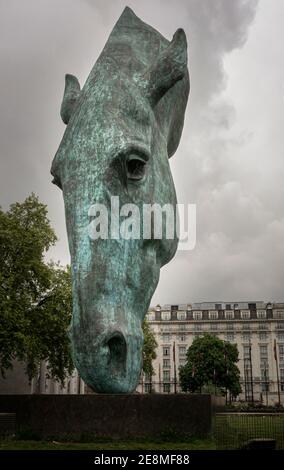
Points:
(113, 416)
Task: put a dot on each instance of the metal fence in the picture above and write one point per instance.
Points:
(237, 430)
(253, 391)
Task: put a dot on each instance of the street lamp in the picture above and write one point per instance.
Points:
(266, 382)
(251, 377)
(226, 367)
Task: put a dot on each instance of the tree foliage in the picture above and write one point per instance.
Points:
(35, 296)
(211, 361)
(149, 349)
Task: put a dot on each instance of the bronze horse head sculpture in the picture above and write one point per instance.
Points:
(122, 128)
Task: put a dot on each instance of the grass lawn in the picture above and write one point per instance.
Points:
(232, 430)
(205, 444)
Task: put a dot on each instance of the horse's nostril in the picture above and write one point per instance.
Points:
(117, 353)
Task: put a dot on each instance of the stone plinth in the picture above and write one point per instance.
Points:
(114, 416)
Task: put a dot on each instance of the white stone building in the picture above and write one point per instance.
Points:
(254, 326)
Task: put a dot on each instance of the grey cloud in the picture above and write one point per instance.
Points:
(216, 28)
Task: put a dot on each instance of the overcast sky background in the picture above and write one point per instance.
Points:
(230, 161)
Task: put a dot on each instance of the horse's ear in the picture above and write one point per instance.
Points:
(70, 97)
(169, 68)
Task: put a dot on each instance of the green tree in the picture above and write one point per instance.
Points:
(35, 296)
(211, 361)
(149, 349)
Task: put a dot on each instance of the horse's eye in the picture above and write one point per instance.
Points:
(135, 167)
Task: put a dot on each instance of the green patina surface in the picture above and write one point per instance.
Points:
(122, 127)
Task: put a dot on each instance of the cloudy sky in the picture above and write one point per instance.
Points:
(230, 159)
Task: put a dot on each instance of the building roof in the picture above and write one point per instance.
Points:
(220, 305)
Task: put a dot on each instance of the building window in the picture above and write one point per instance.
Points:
(245, 315)
(282, 380)
(166, 316)
(261, 314)
(213, 326)
(182, 361)
(166, 363)
(265, 386)
(166, 375)
(181, 315)
(264, 378)
(263, 336)
(281, 354)
(263, 352)
(166, 351)
(246, 352)
(280, 325)
(151, 316)
(230, 337)
(246, 337)
(280, 336)
(229, 315)
(167, 328)
(182, 327)
(182, 338)
(198, 326)
(166, 337)
(182, 350)
(230, 326)
(166, 388)
(197, 315)
(278, 314)
(213, 315)
(246, 326)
